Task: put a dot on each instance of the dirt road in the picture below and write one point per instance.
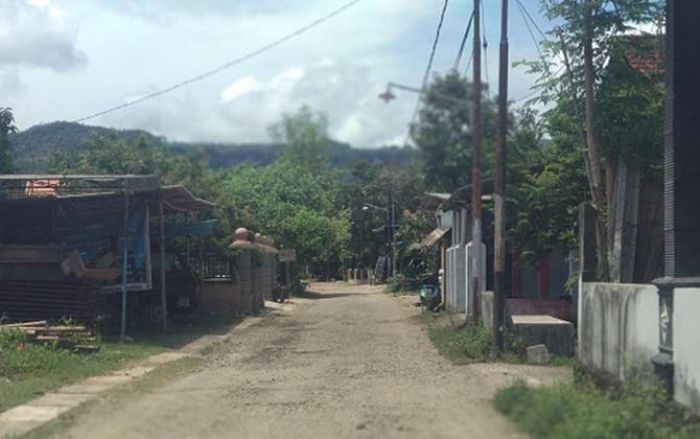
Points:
(351, 362)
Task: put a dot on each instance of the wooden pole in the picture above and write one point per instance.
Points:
(125, 261)
(476, 280)
(163, 287)
(499, 263)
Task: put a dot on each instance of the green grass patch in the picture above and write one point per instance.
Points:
(149, 382)
(472, 343)
(580, 410)
(30, 370)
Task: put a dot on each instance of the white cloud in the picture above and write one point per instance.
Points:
(242, 87)
(136, 47)
(38, 33)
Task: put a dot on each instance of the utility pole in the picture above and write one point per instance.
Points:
(476, 166)
(499, 263)
(392, 230)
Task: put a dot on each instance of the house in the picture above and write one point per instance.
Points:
(71, 246)
(531, 289)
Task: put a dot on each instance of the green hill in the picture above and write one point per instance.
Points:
(34, 147)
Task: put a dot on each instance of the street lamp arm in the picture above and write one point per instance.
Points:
(366, 206)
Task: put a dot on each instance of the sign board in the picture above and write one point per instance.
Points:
(288, 255)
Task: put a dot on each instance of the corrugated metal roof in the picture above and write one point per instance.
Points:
(434, 237)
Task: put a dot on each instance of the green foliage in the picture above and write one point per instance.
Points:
(295, 205)
(582, 411)
(114, 154)
(443, 132)
(356, 190)
(34, 146)
(473, 343)
(548, 196)
(295, 199)
(462, 345)
(7, 126)
(632, 103)
(306, 137)
(28, 369)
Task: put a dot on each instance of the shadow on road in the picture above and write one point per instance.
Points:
(316, 295)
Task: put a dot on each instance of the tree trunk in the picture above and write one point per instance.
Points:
(599, 202)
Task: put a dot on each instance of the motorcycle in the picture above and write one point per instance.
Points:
(429, 297)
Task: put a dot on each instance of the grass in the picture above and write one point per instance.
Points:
(472, 344)
(579, 410)
(28, 372)
(151, 381)
(36, 369)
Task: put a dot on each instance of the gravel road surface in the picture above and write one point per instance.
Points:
(348, 362)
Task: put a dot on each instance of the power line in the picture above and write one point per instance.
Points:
(458, 61)
(426, 75)
(522, 6)
(523, 13)
(227, 65)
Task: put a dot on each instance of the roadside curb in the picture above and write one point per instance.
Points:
(21, 419)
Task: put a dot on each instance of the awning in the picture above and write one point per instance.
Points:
(434, 237)
(191, 229)
(180, 199)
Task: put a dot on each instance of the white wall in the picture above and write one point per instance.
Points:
(456, 279)
(618, 327)
(468, 276)
(686, 346)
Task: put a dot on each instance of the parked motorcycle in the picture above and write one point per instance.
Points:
(429, 297)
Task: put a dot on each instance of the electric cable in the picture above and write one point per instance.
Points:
(463, 44)
(259, 51)
(426, 75)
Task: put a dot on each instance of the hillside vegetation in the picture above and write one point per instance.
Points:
(35, 147)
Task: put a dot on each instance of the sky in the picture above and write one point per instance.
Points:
(66, 59)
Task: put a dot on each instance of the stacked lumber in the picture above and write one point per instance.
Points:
(49, 299)
(73, 337)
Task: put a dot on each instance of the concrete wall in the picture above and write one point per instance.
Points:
(456, 276)
(618, 327)
(469, 276)
(264, 274)
(686, 347)
(220, 297)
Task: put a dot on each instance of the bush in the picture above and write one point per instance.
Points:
(581, 411)
(462, 345)
(472, 343)
(400, 284)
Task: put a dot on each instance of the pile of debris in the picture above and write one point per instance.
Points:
(64, 336)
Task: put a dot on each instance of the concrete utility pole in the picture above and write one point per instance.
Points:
(392, 231)
(476, 166)
(499, 263)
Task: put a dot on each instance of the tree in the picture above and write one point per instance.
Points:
(296, 198)
(442, 133)
(297, 207)
(7, 126)
(110, 154)
(584, 42)
(306, 137)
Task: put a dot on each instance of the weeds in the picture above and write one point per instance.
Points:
(638, 409)
(469, 344)
(28, 369)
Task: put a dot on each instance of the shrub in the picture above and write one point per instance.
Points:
(640, 409)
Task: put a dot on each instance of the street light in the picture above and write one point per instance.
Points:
(368, 206)
(391, 214)
(388, 95)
